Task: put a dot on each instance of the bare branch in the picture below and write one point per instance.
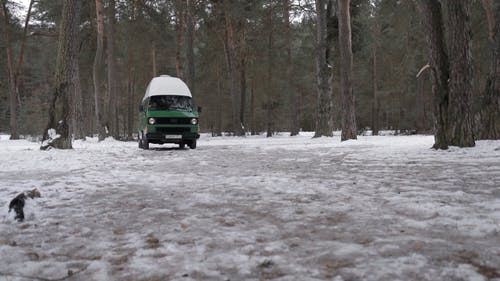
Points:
(423, 69)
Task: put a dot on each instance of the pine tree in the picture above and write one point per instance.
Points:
(57, 133)
(346, 64)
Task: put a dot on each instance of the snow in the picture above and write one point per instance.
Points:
(166, 85)
(253, 208)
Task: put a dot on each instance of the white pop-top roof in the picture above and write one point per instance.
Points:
(165, 85)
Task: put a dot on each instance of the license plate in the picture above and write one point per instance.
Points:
(173, 136)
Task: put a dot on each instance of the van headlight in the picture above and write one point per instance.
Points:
(151, 121)
(194, 121)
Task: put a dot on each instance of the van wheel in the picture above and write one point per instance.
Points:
(192, 144)
(182, 145)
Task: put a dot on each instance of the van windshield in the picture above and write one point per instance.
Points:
(180, 103)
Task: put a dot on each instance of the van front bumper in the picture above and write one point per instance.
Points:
(159, 137)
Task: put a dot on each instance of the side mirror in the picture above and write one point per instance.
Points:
(141, 108)
(199, 109)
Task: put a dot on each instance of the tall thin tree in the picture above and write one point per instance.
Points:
(190, 28)
(293, 113)
(111, 98)
(270, 103)
(324, 71)
(97, 72)
(14, 72)
(179, 37)
(346, 62)
(232, 71)
(375, 99)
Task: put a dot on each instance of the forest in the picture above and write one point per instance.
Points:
(327, 140)
(360, 66)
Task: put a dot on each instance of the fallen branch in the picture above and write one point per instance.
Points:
(423, 69)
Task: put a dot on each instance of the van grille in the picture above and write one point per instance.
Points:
(173, 130)
(172, 121)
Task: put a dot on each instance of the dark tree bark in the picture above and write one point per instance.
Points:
(190, 5)
(489, 115)
(293, 113)
(153, 59)
(219, 109)
(57, 132)
(130, 94)
(345, 44)
(451, 71)
(253, 125)
(20, 61)
(438, 61)
(420, 104)
(232, 72)
(243, 78)
(324, 72)
(97, 73)
(461, 127)
(179, 37)
(375, 101)
(112, 99)
(78, 125)
(12, 79)
(270, 92)
(490, 18)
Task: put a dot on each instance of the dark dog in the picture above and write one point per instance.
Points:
(18, 205)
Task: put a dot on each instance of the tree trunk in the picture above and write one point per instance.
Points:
(345, 43)
(270, 91)
(12, 79)
(20, 60)
(461, 127)
(489, 115)
(111, 102)
(253, 125)
(179, 36)
(190, 44)
(243, 79)
(490, 18)
(232, 73)
(420, 105)
(324, 73)
(57, 133)
(219, 109)
(97, 72)
(438, 60)
(292, 94)
(130, 94)
(375, 101)
(78, 125)
(153, 58)
(77, 129)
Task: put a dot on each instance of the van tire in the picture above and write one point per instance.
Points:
(192, 144)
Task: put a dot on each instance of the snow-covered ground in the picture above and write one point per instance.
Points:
(254, 208)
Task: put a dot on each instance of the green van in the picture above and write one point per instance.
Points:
(168, 114)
